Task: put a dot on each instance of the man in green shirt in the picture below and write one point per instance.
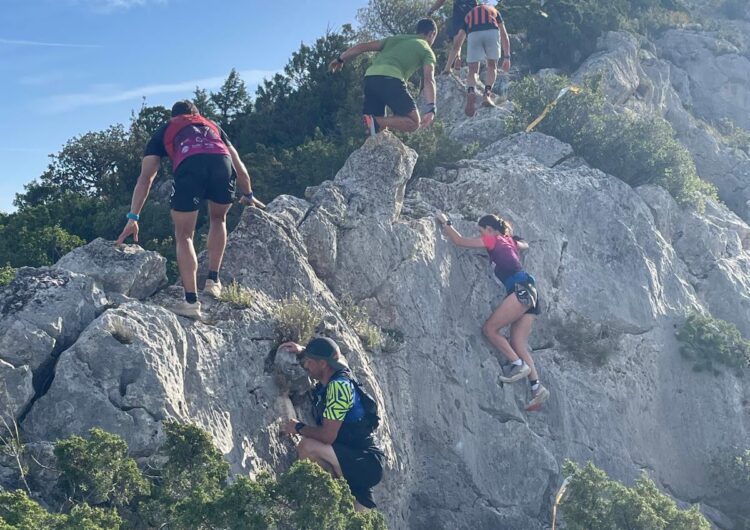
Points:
(385, 81)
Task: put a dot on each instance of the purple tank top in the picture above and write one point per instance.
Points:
(503, 253)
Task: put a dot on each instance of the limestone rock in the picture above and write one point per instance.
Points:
(128, 270)
(42, 312)
(542, 148)
(718, 74)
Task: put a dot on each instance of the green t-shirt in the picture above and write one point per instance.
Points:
(401, 56)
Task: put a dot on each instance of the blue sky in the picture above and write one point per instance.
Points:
(72, 66)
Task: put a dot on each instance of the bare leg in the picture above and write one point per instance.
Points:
(408, 123)
(322, 454)
(473, 71)
(491, 77)
(508, 312)
(187, 261)
(519, 337)
(455, 53)
(217, 233)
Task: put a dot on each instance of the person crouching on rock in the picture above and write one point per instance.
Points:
(521, 303)
(341, 441)
(385, 80)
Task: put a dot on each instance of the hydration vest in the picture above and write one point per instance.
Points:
(352, 433)
(192, 134)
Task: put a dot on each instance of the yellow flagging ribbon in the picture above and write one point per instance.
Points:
(572, 88)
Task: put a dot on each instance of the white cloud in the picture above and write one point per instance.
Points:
(114, 5)
(108, 94)
(14, 42)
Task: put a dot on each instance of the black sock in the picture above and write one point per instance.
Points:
(213, 276)
(533, 382)
(470, 90)
(191, 298)
(488, 89)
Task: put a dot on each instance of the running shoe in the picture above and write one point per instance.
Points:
(212, 288)
(516, 372)
(371, 126)
(186, 309)
(538, 397)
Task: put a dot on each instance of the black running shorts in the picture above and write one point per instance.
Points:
(200, 177)
(363, 469)
(382, 91)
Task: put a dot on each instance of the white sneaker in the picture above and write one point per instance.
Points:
(212, 288)
(185, 309)
(517, 372)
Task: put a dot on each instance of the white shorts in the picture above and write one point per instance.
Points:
(484, 44)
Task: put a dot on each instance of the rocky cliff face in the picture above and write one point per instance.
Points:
(89, 342)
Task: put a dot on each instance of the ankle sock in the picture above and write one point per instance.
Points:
(471, 90)
(213, 276)
(517, 362)
(534, 384)
(487, 89)
(191, 298)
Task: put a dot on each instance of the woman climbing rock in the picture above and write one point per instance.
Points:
(520, 305)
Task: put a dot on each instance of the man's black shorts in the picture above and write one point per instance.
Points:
(363, 469)
(200, 177)
(382, 91)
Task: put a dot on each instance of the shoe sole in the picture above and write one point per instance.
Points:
(194, 316)
(516, 377)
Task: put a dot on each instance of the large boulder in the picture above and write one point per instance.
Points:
(42, 312)
(128, 270)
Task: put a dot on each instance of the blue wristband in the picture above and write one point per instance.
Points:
(249, 196)
(133, 216)
(431, 108)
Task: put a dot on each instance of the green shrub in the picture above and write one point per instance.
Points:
(393, 340)
(7, 273)
(19, 512)
(186, 488)
(436, 149)
(637, 150)
(588, 341)
(98, 470)
(596, 501)
(359, 319)
(296, 320)
(562, 33)
(708, 341)
(731, 474)
(237, 295)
